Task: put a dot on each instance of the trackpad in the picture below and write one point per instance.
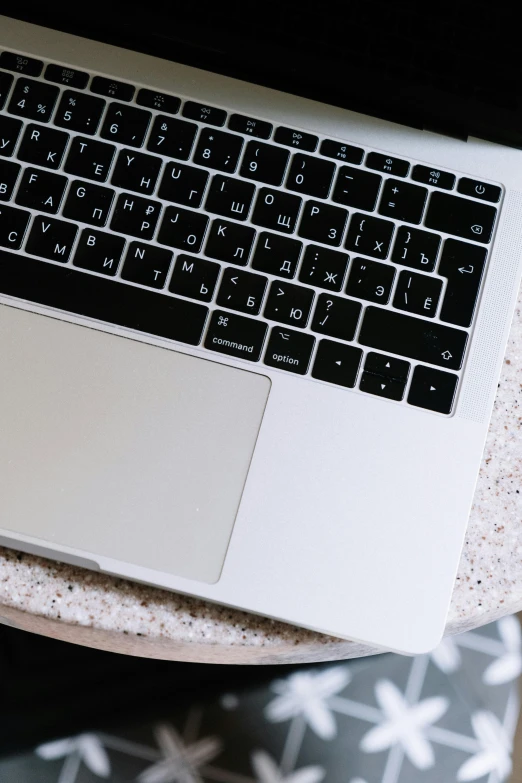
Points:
(122, 449)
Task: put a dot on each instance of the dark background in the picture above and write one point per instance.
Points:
(453, 67)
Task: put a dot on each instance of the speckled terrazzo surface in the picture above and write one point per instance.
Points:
(489, 582)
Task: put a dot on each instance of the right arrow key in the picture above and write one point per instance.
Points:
(432, 389)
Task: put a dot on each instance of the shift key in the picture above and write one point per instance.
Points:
(235, 335)
(415, 338)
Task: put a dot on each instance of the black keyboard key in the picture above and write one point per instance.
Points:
(323, 223)
(21, 64)
(135, 216)
(289, 304)
(9, 133)
(461, 217)
(6, 81)
(96, 297)
(125, 124)
(218, 150)
(88, 203)
(388, 388)
(43, 146)
(41, 190)
(277, 255)
(183, 185)
(289, 350)
(264, 163)
(8, 176)
(51, 238)
(79, 112)
(417, 294)
(89, 158)
(415, 338)
(337, 363)
(432, 389)
(158, 100)
(311, 176)
(435, 177)
(204, 113)
(395, 166)
(146, 264)
(33, 100)
(416, 248)
(357, 188)
(482, 190)
(387, 366)
(171, 137)
(136, 171)
(112, 89)
(99, 251)
(183, 229)
(403, 201)
(252, 127)
(194, 277)
(229, 197)
(13, 225)
(236, 335)
(369, 235)
(370, 280)
(276, 210)
(230, 242)
(241, 291)
(336, 317)
(463, 265)
(295, 138)
(70, 77)
(323, 267)
(340, 151)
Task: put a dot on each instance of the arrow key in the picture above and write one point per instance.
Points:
(432, 389)
(337, 363)
(387, 366)
(390, 388)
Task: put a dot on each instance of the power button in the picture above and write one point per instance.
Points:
(481, 190)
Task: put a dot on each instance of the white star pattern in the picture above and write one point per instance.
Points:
(306, 694)
(85, 748)
(405, 724)
(509, 665)
(495, 749)
(267, 771)
(180, 763)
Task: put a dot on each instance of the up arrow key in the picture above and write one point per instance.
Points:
(433, 388)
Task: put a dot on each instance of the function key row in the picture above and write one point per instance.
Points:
(39, 106)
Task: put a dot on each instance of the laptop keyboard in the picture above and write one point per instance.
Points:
(267, 244)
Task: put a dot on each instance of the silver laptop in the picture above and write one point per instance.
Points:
(249, 341)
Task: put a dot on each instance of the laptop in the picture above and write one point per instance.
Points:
(256, 283)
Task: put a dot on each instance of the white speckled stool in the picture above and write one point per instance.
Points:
(109, 613)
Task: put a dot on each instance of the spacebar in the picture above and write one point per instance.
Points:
(106, 300)
(415, 338)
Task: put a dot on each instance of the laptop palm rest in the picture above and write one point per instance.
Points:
(122, 449)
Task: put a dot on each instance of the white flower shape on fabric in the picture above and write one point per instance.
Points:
(307, 694)
(509, 665)
(404, 724)
(86, 746)
(495, 753)
(447, 656)
(181, 763)
(267, 771)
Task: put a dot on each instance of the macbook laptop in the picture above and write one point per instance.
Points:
(257, 273)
